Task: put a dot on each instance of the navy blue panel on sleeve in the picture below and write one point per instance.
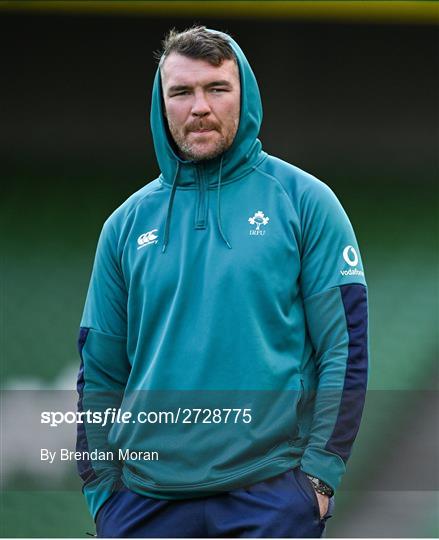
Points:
(82, 338)
(85, 468)
(354, 299)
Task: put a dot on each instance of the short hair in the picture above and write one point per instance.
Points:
(197, 43)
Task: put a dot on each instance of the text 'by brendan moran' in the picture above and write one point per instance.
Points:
(64, 454)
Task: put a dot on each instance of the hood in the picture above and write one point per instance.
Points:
(238, 160)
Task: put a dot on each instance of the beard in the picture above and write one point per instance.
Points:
(196, 151)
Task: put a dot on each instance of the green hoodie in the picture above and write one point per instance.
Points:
(228, 301)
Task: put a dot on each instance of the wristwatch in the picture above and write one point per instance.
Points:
(320, 486)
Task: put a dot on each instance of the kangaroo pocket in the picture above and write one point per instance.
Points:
(203, 436)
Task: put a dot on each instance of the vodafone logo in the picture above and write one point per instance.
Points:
(350, 256)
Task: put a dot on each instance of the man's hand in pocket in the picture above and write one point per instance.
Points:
(323, 503)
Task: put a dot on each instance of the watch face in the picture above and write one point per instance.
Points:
(319, 485)
(314, 481)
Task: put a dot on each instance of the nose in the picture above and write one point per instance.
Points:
(200, 105)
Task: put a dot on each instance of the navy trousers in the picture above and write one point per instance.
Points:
(284, 506)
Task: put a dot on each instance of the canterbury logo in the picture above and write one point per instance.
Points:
(147, 238)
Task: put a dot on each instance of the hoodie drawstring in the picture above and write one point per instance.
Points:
(223, 236)
(171, 202)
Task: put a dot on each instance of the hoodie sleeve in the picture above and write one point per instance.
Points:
(104, 368)
(335, 303)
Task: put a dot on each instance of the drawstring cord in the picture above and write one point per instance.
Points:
(168, 215)
(219, 206)
(171, 202)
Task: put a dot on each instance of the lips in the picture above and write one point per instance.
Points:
(201, 129)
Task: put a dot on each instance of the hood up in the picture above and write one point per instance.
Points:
(237, 161)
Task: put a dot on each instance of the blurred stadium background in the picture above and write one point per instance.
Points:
(350, 94)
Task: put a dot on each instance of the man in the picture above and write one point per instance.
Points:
(227, 308)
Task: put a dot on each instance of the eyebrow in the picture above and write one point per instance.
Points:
(182, 87)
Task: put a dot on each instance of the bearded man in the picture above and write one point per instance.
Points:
(227, 318)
